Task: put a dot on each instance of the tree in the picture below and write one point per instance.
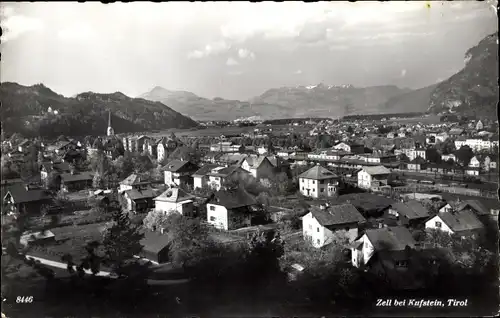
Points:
(142, 163)
(122, 241)
(464, 155)
(433, 155)
(124, 165)
(446, 147)
(156, 220)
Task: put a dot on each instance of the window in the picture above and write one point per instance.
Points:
(322, 190)
(212, 208)
(317, 229)
(314, 181)
(318, 241)
(366, 245)
(212, 218)
(314, 190)
(438, 224)
(322, 182)
(302, 188)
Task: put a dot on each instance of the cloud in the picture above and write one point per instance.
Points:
(210, 49)
(235, 73)
(403, 73)
(297, 72)
(246, 54)
(231, 62)
(77, 31)
(13, 25)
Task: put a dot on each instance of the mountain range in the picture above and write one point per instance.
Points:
(473, 89)
(38, 111)
(25, 109)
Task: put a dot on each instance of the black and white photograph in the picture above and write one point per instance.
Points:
(249, 159)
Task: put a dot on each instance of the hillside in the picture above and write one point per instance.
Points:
(413, 101)
(286, 102)
(201, 108)
(474, 89)
(25, 109)
(327, 100)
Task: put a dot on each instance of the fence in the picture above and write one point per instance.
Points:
(455, 190)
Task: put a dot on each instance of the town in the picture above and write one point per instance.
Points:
(389, 199)
(216, 159)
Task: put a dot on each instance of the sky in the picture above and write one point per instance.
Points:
(237, 50)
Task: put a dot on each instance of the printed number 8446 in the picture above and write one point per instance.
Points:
(24, 299)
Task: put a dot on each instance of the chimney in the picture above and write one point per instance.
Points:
(162, 230)
(380, 225)
(322, 206)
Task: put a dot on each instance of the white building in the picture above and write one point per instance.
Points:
(318, 182)
(387, 239)
(463, 223)
(327, 224)
(373, 177)
(175, 199)
(231, 209)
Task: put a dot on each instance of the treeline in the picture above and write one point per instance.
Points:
(380, 116)
(285, 121)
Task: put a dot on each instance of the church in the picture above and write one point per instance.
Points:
(110, 144)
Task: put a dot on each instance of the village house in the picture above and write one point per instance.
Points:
(350, 147)
(462, 223)
(417, 164)
(391, 241)
(165, 147)
(201, 178)
(327, 224)
(413, 153)
(176, 200)
(24, 146)
(75, 181)
(179, 172)
(318, 182)
(259, 167)
(231, 209)
(218, 176)
(25, 199)
(411, 213)
(225, 146)
(134, 181)
(139, 200)
(446, 157)
(373, 177)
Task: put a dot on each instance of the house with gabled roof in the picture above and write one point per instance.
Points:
(391, 241)
(326, 224)
(462, 222)
(373, 177)
(133, 181)
(179, 172)
(318, 182)
(201, 178)
(259, 166)
(26, 199)
(218, 176)
(139, 200)
(230, 209)
(175, 199)
(410, 213)
(75, 180)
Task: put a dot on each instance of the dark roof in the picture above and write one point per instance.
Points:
(390, 238)
(460, 221)
(337, 214)
(203, 171)
(155, 242)
(133, 179)
(179, 166)
(418, 160)
(79, 176)
(21, 195)
(411, 209)
(233, 198)
(137, 194)
(318, 173)
(476, 205)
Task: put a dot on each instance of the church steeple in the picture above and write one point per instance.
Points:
(110, 131)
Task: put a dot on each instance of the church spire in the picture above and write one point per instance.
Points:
(110, 131)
